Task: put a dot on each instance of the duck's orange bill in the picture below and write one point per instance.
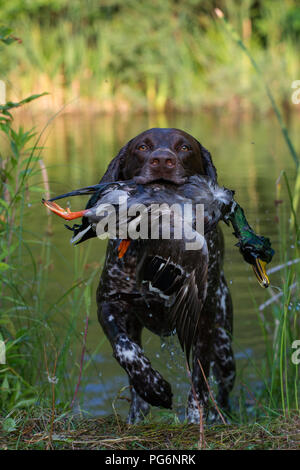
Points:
(259, 269)
(123, 247)
(64, 213)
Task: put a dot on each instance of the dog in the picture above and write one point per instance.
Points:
(168, 156)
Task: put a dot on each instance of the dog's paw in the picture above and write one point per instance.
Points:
(153, 388)
(139, 409)
(148, 383)
(195, 409)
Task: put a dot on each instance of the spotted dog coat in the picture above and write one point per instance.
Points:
(124, 309)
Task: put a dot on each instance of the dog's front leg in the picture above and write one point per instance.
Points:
(116, 320)
(147, 382)
(139, 408)
(199, 394)
(202, 352)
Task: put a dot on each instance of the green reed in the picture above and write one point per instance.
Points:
(37, 349)
(281, 384)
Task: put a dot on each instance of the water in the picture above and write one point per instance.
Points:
(248, 155)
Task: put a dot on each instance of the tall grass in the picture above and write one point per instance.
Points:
(280, 321)
(280, 375)
(37, 350)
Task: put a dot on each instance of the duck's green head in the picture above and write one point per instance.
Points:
(256, 250)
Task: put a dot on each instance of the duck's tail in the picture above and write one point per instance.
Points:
(81, 191)
(96, 188)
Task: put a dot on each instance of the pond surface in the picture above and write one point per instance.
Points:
(249, 156)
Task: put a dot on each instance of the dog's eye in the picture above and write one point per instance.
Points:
(185, 148)
(142, 147)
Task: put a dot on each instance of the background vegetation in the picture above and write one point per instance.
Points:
(122, 56)
(150, 54)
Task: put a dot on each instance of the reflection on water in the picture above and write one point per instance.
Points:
(248, 156)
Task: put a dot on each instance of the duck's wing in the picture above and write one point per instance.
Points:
(173, 277)
(185, 313)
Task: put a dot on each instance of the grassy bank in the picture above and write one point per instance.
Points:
(150, 55)
(33, 432)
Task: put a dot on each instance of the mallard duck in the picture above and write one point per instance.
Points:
(218, 203)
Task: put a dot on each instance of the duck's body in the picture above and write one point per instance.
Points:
(108, 198)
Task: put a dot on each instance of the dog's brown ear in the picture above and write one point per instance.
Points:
(114, 169)
(208, 166)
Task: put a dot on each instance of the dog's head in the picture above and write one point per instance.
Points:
(161, 154)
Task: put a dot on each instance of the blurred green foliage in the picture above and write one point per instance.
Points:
(151, 55)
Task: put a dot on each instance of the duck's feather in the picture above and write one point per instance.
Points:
(81, 192)
(171, 275)
(187, 308)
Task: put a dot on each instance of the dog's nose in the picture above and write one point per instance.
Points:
(163, 161)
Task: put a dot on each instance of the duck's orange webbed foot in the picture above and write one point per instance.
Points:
(123, 247)
(64, 213)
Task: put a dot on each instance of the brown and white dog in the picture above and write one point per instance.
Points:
(167, 156)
